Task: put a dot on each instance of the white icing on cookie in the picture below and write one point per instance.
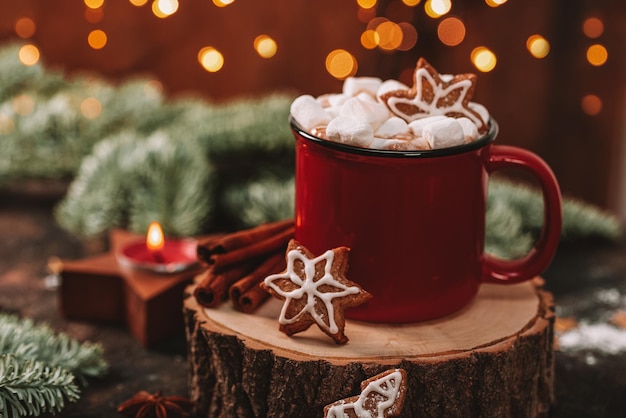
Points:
(309, 288)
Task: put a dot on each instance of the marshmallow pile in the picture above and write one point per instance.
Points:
(358, 116)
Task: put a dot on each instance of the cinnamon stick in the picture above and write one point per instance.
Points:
(250, 300)
(213, 286)
(273, 264)
(266, 246)
(240, 239)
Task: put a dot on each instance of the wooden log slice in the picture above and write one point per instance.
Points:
(492, 359)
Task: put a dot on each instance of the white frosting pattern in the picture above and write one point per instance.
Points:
(385, 391)
(309, 288)
(433, 107)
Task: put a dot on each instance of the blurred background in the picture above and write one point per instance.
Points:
(553, 73)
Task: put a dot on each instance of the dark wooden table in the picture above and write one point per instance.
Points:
(588, 280)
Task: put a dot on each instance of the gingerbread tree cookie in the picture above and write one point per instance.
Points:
(315, 291)
(381, 396)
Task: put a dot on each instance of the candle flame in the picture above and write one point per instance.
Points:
(154, 237)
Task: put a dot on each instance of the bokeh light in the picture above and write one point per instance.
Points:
(23, 104)
(591, 104)
(138, 3)
(593, 27)
(495, 3)
(223, 3)
(597, 55)
(437, 8)
(365, 15)
(29, 55)
(390, 36)
(411, 3)
(483, 59)
(91, 108)
(211, 59)
(538, 46)
(94, 4)
(265, 46)
(341, 64)
(366, 4)
(25, 27)
(369, 39)
(164, 8)
(97, 39)
(409, 36)
(451, 31)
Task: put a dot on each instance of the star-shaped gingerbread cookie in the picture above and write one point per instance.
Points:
(315, 291)
(433, 94)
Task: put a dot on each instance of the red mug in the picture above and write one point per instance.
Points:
(414, 221)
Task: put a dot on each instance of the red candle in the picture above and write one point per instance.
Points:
(158, 254)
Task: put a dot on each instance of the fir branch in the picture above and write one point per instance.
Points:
(30, 387)
(129, 181)
(264, 200)
(38, 342)
(515, 217)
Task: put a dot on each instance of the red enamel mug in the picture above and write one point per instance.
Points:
(415, 221)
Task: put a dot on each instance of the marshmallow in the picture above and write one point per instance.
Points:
(417, 126)
(390, 85)
(470, 131)
(355, 85)
(308, 112)
(394, 126)
(443, 133)
(350, 131)
(375, 114)
(481, 110)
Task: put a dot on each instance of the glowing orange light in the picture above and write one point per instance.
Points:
(593, 27)
(451, 31)
(597, 55)
(437, 8)
(154, 238)
(483, 59)
(411, 3)
(97, 39)
(409, 36)
(164, 8)
(341, 64)
(29, 55)
(375, 22)
(265, 46)
(91, 108)
(222, 3)
(138, 2)
(390, 35)
(591, 104)
(23, 104)
(370, 39)
(366, 4)
(495, 3)
(25, 27)
(211, 59)
(94, 4)
(538, 46)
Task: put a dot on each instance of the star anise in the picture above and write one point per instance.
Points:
(155, 405)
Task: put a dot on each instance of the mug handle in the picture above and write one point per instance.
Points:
(497, 270)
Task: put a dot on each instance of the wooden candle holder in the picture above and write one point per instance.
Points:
(98, 288)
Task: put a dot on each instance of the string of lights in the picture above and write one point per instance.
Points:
(380, 33)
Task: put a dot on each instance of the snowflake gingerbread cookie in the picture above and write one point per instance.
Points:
(435, 94)
(315, 291)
